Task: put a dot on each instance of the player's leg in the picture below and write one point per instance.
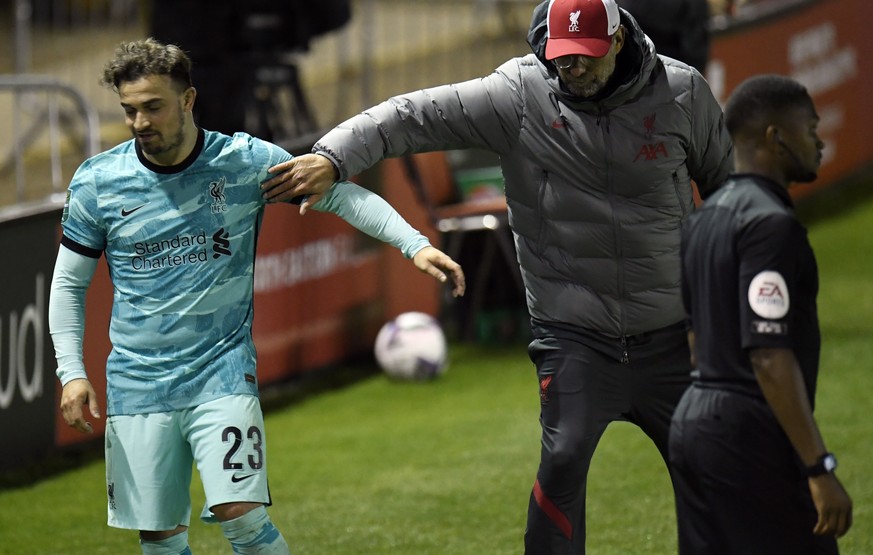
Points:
(174, 542)
(229, 445)
(254, 532)
(579, 396)
(148, 476)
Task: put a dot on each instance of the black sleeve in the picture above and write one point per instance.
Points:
(768, 249)
(80, 249)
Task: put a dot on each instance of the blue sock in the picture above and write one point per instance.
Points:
(174, 545)
(254, 533)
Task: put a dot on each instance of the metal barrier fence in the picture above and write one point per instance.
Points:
(50, 100)
(42, 100)
(388, 47)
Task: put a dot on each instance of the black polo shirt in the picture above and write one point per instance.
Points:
(749, 279)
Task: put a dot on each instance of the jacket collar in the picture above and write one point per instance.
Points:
(778, 190)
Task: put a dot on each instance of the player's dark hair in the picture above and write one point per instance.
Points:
(760, 100)
(142, 58)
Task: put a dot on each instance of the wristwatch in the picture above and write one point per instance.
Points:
(826, 464)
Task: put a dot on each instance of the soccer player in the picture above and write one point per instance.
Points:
(599, 139)
(753, 475)
(176, 212)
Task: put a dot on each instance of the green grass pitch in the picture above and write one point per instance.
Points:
(446, 467)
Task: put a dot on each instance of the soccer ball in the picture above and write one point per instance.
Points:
(411, 347)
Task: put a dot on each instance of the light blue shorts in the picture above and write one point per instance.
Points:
(149, 461)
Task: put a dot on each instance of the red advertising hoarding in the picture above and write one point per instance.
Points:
(823, 44)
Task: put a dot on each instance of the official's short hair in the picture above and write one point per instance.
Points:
(137, 59)
(762, 100)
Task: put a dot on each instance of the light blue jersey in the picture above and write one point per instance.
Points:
(180, 245)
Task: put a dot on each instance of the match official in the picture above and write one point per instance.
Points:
(752, 473)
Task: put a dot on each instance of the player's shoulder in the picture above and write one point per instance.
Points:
(113, 161)
(253, 149)
(120, 154)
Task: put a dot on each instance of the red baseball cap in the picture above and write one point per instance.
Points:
(581, 27)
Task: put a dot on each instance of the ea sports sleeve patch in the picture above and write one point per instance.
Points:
(768, 295)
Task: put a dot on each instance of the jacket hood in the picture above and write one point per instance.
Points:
(539, 31)
(635, 62)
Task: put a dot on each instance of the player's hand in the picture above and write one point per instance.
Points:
(833, 505)
(438, 264)
(77, 394)
(309, 174)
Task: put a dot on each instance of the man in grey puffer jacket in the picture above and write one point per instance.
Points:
(599, 140)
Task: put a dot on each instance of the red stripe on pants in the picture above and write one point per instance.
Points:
(552, 511)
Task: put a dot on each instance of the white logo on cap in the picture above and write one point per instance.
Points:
(574, 21)
(768, 295)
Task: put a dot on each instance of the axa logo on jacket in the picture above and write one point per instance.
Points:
(650, 151)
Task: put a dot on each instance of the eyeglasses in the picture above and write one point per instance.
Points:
(566, 62)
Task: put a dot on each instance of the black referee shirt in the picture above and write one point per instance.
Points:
(749, 279)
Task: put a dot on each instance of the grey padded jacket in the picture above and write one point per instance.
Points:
(597, 190)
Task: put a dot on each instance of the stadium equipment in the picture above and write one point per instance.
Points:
(411, 347)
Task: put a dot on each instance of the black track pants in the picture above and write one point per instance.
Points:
(584, 386)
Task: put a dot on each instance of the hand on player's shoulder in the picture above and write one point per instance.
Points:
(309, 174)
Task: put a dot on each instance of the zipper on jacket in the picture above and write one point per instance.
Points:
(603, 123)
(605, 118)
(624, 356)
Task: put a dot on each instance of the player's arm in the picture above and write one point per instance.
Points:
(66, 316)
(781, 381)
(371, 214)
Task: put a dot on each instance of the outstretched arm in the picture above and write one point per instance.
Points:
(371, 214)
(484, 113)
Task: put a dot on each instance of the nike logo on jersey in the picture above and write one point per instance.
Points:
(236, 478)
(125, 213)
